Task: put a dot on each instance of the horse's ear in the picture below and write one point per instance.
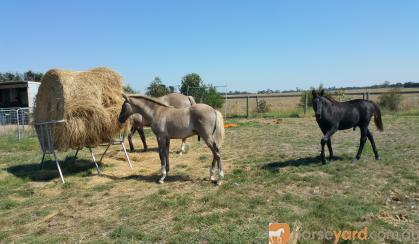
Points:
(322, 92)
(314, 93)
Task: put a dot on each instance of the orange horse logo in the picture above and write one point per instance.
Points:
(279, 233)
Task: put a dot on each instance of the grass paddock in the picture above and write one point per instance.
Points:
(273, 174)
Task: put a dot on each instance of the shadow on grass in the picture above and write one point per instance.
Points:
(150, 178)
(49, 170)
(274, 166)
(141, 150)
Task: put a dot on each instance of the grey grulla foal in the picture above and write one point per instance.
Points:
(168, 122)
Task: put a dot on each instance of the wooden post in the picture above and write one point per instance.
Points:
(247, 107)
(305, 102)
(257, 104)
(368, 95)
(363, 96)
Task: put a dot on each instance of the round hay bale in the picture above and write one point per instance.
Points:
(88, 101)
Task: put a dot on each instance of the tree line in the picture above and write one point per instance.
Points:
(190, 85)
(26, 76)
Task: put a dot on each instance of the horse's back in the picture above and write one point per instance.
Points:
(176, 100)
(358, 112)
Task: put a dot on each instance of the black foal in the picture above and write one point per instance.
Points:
(333, 116)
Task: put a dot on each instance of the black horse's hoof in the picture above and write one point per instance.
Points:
(330, 158)
(377, 158)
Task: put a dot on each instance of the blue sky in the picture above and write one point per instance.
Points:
(248, 45)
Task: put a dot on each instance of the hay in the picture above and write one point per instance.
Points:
(88, 101)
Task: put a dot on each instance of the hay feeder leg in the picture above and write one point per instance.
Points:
(94, 160)
(118, 141)
(45, 132)
(75, 156)
(58, 167)
(126, 154)
(42, 161)
(106, 150)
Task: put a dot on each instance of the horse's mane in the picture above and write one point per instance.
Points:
(331, 99)
(151, 99)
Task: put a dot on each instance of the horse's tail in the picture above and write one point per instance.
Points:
(218, 132)
(191, 100)
(377, 117)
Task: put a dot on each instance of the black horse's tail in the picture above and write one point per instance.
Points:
(377, 117)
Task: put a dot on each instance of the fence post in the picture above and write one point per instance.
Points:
(247, 107)
(363, 96)
(257, 103)
(17, 121)
(368, 95)
(305, 102)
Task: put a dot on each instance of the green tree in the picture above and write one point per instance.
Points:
(191, 84)
(32, 76)
(129, 89)
(172, 89)
(391, 100)
(157, 88)
(212, 97)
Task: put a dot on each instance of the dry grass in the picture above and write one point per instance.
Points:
(88, 101)
(272, 175)
(286, 104)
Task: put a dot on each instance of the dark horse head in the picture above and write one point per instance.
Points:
(319, 103)
(126, 110)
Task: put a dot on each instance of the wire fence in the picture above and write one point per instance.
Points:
(245, 105)
(16, 122)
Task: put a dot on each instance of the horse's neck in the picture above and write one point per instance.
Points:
(329, 111)
(144, 107)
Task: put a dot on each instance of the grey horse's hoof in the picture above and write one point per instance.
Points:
(218, 183)
(377, 158)
(160, 181)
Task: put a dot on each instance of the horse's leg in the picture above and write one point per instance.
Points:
(329, 146)
(141, 132)
(220, 166)
(182, 147)
(167, 155)
(216, 158)
(325, 140)
(361, 143)
(162, 155)
(374, 148)
(212, 177)
(132, 131)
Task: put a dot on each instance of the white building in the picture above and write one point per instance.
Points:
(18, 93)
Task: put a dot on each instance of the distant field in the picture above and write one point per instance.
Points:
(273, 174)
(237, 106)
